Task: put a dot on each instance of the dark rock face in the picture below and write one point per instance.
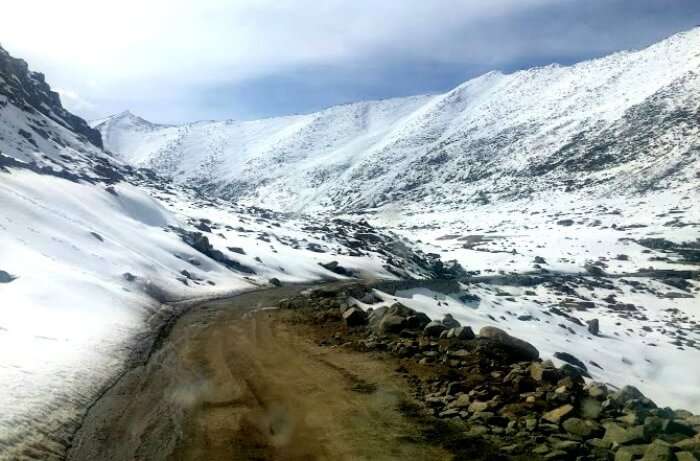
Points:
(29, 91)
(200, 242)
(6, 277)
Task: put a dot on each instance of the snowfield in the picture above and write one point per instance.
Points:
(648, 345)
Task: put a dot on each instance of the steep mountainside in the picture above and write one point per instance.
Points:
(625, 123)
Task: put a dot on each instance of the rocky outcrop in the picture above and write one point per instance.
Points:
(29, 91)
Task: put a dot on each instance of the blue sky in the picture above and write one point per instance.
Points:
(179, 60)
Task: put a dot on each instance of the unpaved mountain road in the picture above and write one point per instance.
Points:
(233, 382)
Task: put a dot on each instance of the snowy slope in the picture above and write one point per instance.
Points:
(93, 252)
(626, 121)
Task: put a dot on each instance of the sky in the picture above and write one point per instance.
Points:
(175, 61)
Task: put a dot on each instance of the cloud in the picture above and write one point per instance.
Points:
(176, 60)
(76, 104)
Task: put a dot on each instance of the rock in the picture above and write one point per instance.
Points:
(128, 276)
(630, 452)
(658, 450)
(692, 445)
(238, 250)
(332, 266)
(521, 348)
(671, 426)
(580, 427)
(463, 333)
(275, 282)
(593, 326)
(556, 415)
(433, 329)
(391, 323)
(354, 317)
(574, 372)
(594, 270)
(626, 394)
(565, 222)
(597, 390)
(568, 358)
(685, 456)
(540, 260)
(556, 455)
(6, 277)
(450, 321)
(622, 436)
(463, 401)
(478, 407)
(417, 321)
(541, 372)
(591, 408)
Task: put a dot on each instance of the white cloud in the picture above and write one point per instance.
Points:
(115, 52)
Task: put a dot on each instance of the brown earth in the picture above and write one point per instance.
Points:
(232, 383)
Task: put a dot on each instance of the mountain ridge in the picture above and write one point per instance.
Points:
(506, 135)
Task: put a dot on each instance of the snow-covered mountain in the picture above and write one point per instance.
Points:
(624, 123)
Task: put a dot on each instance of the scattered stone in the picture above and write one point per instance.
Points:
(630, 452)
(392, 323)
(556, 415)
(593, 326)
(463, 333)
(433, 329)
(522, 348)
(275, 282)
(417, 321)
(658, 450)
(568, 358)
(449, 322)
(581, 427)
(541, 371)
(620, 435)
(6, 277)
(591, 408)
(685, 456)
(355, 317)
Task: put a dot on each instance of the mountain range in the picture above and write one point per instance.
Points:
(625, 123)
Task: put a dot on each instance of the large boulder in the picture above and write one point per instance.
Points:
(434, 328)
(517, 346)
(450, 321)
(354, 317)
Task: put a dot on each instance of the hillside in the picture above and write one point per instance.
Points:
(626, 123)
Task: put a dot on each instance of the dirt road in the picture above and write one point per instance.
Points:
(231, 382)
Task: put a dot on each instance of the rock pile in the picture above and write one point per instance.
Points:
(501, 393)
